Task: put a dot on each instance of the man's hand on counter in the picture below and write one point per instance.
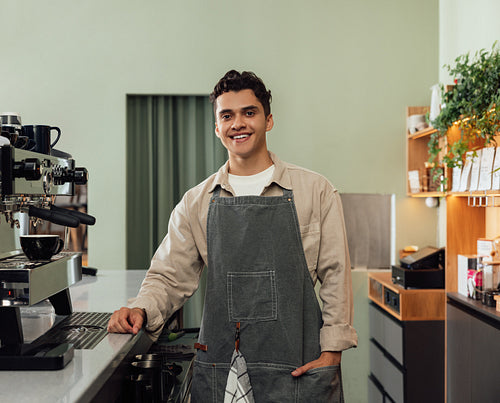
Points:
(127, 320)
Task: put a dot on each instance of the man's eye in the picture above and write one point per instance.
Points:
(225, 117)
(250, 113)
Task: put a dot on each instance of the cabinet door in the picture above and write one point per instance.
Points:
(485, 358)
(472, 360)
(459, 355)
(375, 391)
(387, 332)
(389, 375)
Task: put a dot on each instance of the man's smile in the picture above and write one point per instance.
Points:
(239, 136)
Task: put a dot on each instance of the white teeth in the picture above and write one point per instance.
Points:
(240, 137)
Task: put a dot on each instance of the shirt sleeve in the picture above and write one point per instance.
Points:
(174, 273)
(334, 273)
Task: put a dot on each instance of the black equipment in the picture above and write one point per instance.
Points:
(422, 269)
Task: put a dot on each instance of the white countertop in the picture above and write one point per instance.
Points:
(89, 369)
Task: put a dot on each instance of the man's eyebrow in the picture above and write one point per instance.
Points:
(249, 108)
(224, 111)
(244, 109)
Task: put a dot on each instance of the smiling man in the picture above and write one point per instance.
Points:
(266, 231)
(241, 125)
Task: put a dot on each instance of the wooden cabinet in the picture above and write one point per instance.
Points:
(405, 304)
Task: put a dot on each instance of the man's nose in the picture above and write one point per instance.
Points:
(238, 122)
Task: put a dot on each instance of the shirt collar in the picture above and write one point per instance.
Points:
(281, 176)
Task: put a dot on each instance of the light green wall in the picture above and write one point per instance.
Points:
(341, 74)
(466, 26)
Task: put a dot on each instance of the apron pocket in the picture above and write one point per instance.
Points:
(322, 384)
(252, 296)
(209, 382)
(272, 383)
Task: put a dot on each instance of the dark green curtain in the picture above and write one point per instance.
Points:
(171, 147)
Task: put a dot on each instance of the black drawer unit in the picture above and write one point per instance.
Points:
(406, 359)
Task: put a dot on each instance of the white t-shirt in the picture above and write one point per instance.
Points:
(251, 185)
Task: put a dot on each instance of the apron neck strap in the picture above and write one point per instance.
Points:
(216, 193)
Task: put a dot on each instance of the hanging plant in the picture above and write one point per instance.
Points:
(471, 109)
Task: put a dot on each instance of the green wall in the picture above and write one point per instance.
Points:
(466, 26)
(341, 74)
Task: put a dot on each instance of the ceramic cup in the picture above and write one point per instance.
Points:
(41, 247)
(41, 135)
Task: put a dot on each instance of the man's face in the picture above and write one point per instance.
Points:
(241, 124)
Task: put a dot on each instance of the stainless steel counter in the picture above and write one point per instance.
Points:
(90, 370)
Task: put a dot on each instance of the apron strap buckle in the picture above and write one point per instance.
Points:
(199, 346)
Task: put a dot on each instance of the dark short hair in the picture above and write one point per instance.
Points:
(246, 80)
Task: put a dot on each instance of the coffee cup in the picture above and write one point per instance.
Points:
(41, 247)
(41, 135)
(10, 133)
(24, 143)
(15, 139)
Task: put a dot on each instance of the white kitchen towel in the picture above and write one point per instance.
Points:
(238, 388)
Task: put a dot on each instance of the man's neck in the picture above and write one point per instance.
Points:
(249, 166)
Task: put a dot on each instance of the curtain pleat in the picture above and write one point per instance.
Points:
(171, 147)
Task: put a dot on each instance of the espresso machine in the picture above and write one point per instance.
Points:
(29, 184)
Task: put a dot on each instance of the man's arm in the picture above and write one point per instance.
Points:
(334, 272)
(172, 278)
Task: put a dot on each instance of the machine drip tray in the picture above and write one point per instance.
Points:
(55, 349)
(84, 330)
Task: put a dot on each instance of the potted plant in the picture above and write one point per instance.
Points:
(470, 110)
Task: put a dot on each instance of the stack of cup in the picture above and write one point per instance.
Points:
(416, 123)
(11, 129)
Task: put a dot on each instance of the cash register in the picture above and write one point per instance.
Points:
(422, 269)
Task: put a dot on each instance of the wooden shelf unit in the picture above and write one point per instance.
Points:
(417, 154)
(467, 220)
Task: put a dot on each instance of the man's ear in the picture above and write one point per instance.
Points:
(217, 130)
(269, 122)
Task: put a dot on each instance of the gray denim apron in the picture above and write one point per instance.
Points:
(257, 275)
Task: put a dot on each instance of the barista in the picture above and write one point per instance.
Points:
(266, 231)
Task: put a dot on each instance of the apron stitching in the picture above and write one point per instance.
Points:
(214, 384)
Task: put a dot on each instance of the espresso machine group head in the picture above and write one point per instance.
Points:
(29, 184)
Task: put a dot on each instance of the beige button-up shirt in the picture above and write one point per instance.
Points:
(177, 264)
